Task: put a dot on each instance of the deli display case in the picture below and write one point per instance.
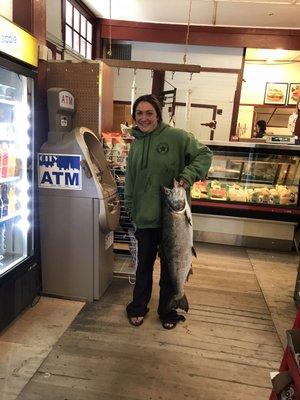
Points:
(248, 183)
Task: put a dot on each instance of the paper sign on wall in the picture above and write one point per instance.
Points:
(59, 171)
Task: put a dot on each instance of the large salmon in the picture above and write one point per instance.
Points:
(177, 242)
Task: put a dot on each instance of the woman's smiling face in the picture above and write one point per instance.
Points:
(146, 117)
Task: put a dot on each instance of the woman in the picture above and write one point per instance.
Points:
(261, 127)
(158, 154)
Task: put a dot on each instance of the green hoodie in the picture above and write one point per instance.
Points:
(154, 160)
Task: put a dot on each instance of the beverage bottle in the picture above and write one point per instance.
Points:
(2, 240)
(11, 162)
(11, 200)
(1, 203)
(1, 156)
(4, 197)
(4, 162)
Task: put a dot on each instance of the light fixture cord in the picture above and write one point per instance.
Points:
(187, 33)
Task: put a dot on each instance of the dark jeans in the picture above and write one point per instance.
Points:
(148, 244)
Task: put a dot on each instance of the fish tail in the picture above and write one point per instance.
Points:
(181, 303)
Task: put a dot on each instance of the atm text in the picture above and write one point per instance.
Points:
(60, 178)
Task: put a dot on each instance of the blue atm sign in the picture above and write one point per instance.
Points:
(59, 171)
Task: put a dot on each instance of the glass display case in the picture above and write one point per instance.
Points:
(253, 180)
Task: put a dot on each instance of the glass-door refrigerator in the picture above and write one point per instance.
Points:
(19, 269)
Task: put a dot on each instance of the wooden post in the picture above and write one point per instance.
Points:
(158, 82)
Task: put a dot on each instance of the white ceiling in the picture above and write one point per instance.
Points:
(247, 13)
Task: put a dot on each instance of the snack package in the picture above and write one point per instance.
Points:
(115, 148)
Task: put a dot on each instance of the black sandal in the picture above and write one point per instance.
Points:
(170, 320)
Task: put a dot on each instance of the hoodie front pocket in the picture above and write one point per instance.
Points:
(148, 207)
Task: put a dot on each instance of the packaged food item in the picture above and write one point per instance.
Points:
(11, 163)
(286, 195)
(199, 190)
(274, 196)
(11, 200)
(216, 191)
(260, 195)
(239, 194)
(5, 199)
(4, 163)
(115, 148)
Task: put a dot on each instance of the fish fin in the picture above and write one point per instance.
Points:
(189, 273)
(194, 252)
(182, 303)
(188, 218)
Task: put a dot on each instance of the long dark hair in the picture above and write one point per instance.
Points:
(261, 124)
(149, 98)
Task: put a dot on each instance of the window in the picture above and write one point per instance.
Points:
(78, 29)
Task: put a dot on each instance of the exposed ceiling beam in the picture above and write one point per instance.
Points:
(201, 35)
(154, 66)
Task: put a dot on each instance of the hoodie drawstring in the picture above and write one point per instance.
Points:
(146, 148)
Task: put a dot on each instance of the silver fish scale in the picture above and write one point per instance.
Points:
(177, 243)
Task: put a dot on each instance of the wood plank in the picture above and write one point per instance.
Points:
(225, 349)
(154, 66)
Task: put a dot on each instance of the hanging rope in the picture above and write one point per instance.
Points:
(188, 107)
(187, 33)
(133, 91)
(109, 53)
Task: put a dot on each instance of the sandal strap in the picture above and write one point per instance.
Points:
(172, 318)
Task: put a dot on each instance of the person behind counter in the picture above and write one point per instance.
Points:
(260, 128)
(158, 154)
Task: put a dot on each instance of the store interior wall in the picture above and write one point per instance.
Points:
(208, 88)
(216, 89)
(6, 9)
(256, 75)
(53, 22)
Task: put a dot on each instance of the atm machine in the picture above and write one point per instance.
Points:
(79, 206)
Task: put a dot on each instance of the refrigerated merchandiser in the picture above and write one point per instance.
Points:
(79, 207)
(19, 251)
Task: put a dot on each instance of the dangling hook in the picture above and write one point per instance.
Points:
(191, 76)
(118, 70)
(173, 73)
(134, 72)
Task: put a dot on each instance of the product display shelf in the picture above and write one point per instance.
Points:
(116, 147)
(289, 364)
(123, 235)
(124, 240)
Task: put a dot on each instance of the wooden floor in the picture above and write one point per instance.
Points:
(225, 349)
